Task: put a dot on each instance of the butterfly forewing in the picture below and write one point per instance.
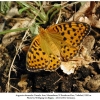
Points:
(35, 55)
(71, 34)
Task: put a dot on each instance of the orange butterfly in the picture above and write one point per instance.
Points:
(54, 44)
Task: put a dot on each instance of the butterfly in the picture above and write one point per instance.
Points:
(56, 43)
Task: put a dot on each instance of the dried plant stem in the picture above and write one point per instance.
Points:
(17, 51)
(14, 88)
(58, 17)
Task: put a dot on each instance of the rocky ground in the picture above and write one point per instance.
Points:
(13, 50)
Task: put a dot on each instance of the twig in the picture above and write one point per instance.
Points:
(14, 88)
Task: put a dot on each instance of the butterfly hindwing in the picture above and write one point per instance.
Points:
(68, 52)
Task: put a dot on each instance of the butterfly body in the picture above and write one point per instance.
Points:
(55, 43)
